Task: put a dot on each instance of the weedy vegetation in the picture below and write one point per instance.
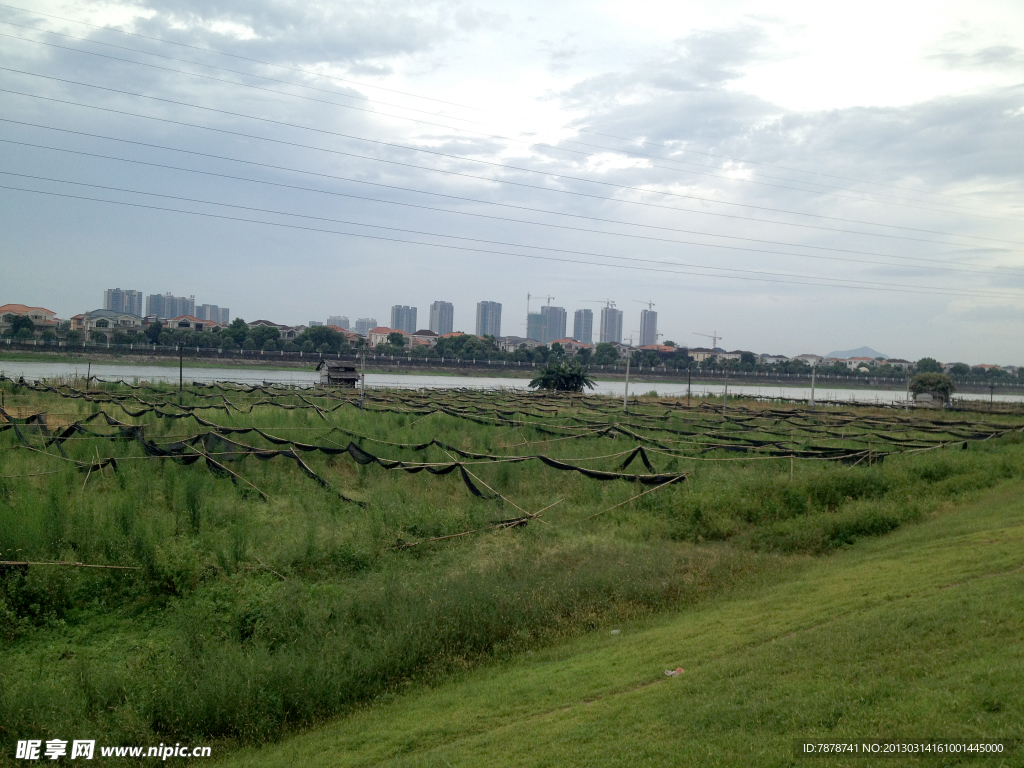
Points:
(272, 576)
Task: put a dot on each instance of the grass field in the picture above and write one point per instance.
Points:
(913, 636)
(294, 558)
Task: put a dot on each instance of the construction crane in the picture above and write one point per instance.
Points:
(607, 302)
(649, 303)
(713, 336)
(528, 297)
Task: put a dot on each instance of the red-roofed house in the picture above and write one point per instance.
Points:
(41, 318)
(379, 335)
(571, 346)
(192, 323)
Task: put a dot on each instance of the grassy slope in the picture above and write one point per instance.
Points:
(912, 635)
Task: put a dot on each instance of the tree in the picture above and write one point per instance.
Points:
(238, 330)
(19, 323)
(322, 338)
(153, 332)
(748, 358)
(928, 365)
(396, 339)
(934, 383)
(563, 376)
(605, 354)
(960, 369)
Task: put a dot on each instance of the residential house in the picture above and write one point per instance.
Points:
(661, 350)
(809, 359)
(856, 363)
(379, 335)
(512, 343)
(571, 346)
(773, 359)
(192, 323)
(288, 332)
(425, 337)
(41, 318)
(700, 354)
(106, 321)
(903, 365)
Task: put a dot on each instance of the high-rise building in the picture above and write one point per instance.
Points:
(213, 314)
(488, 318)
(442, 317)
(168, 306)
(339, 321)
(554, 323)
(117, 300)
(403, 318)
(611, 325)
(648, 327)
(365, 324)
(536, 325)
(583, 326)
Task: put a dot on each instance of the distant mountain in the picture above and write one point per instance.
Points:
(859, 352)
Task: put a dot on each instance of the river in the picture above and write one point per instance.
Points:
(307, 378)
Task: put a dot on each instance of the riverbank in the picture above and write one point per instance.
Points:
(474, 369)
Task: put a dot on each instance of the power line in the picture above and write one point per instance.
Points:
(630, 153)
(472, 176)
(927, 263)
(472, 239)
(462, 106)
(504, 166)
(911, 289)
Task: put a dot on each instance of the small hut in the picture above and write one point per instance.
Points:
(334, 373)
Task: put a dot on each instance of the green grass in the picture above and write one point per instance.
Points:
(249, 619)
(912, 636)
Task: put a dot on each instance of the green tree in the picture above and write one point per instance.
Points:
(322, 338)
(18, 325)
(928, 365)
(237, 331)
(261, 335)
(396, 339)
(605, 354)
(960, 369)
(154, 331)
(563, 376)
(936, 383)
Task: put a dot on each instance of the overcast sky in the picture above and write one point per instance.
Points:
(816, 178)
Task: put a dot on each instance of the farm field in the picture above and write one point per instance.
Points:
(276, 558)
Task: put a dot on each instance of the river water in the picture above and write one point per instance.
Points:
(307, 378)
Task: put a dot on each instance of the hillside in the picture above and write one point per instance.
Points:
(908, 636)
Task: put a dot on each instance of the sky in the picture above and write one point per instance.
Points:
(794, 177)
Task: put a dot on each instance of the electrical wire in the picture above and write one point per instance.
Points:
(509, 167)
(375, 112)
(835, 282)
(455, 237)
(932, 264)
(472, 176)
(320, 75)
